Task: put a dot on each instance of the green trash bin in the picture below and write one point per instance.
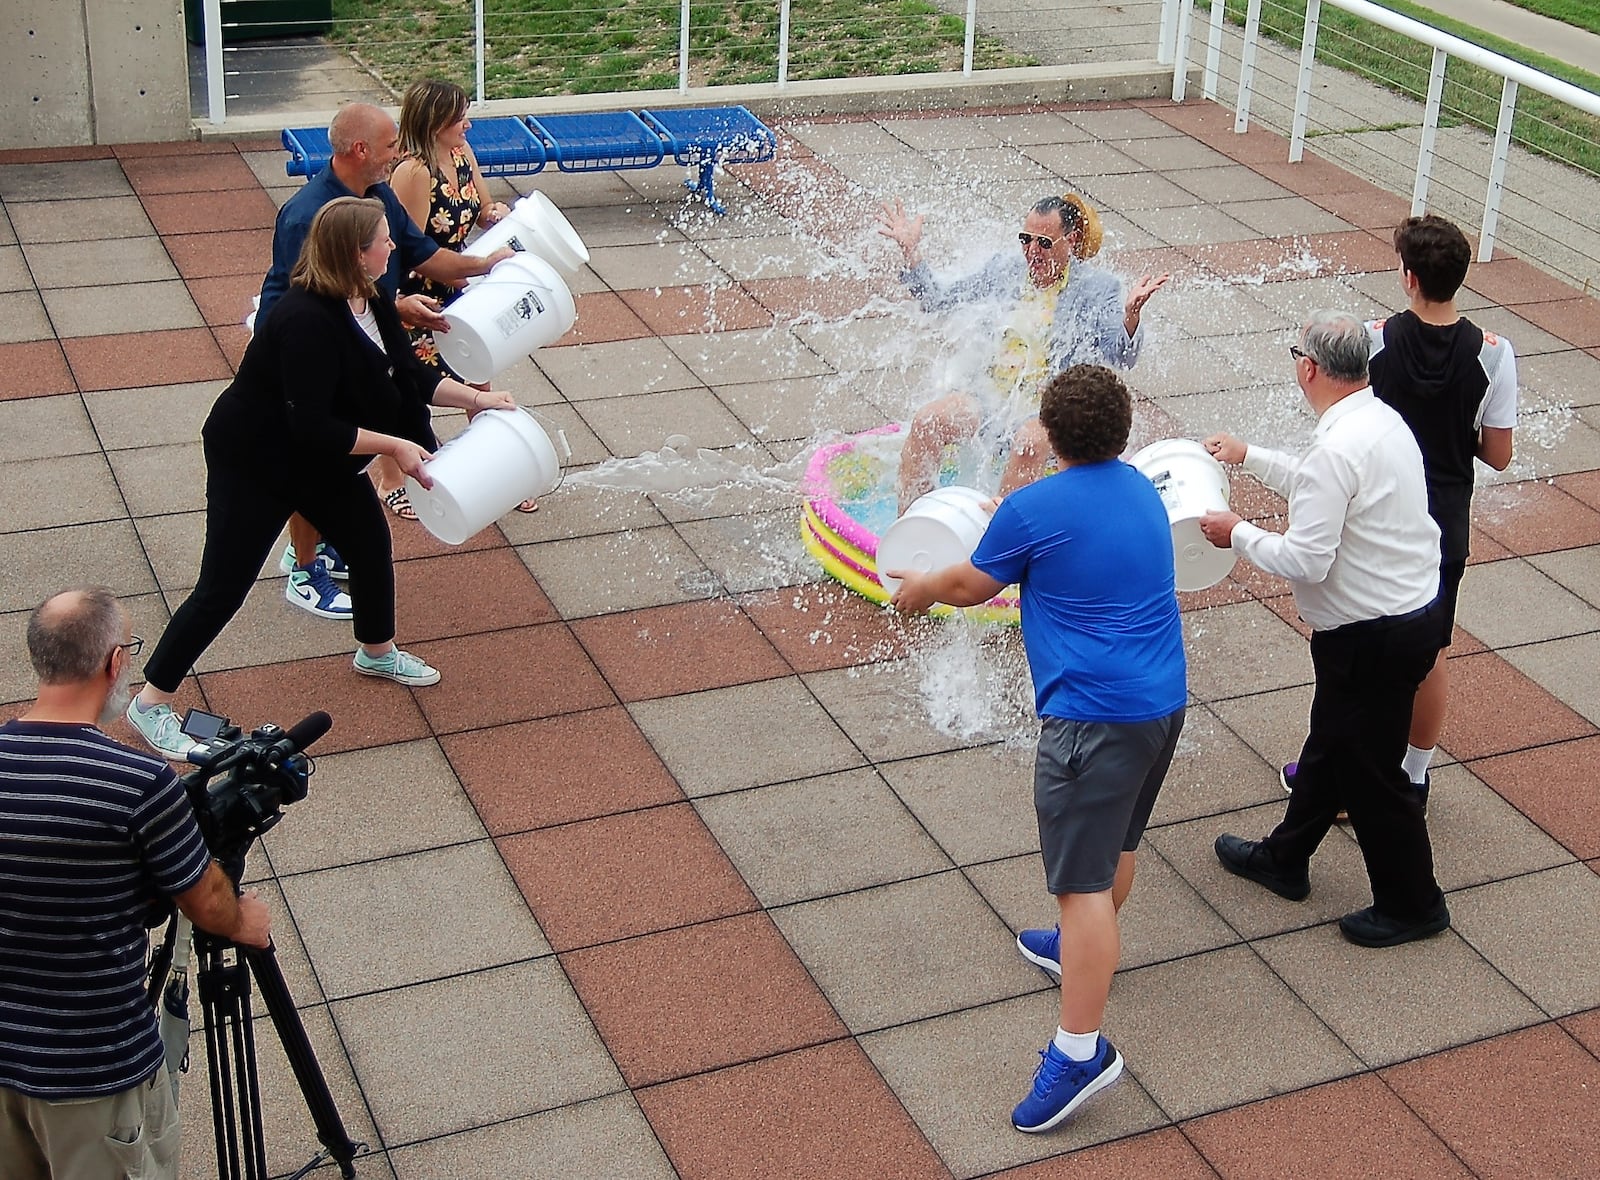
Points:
(257, 20)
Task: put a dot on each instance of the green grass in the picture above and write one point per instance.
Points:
(1471, 93)
(1585, 14)
(552, 47)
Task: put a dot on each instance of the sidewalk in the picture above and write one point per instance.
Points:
(1553, 38)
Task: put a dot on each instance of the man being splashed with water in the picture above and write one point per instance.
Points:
(1058, 311)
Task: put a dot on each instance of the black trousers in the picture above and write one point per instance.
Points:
(248, 501)
(1367, 675)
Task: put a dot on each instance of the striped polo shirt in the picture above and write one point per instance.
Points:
(91, 833)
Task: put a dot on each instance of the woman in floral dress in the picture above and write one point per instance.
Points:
(439, 183)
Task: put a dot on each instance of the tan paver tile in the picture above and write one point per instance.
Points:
(757, 354)
(668, 650)
(127, 418)
(881, 707)
(466, 593)
(366, 804)
(14, 272)
(615, 368)
(830, 834)
(588, 764)
(618, 571)
(41, 562)
(624, 875)
(157, 480)
(1492, 606)
(1495, 709)
(824, 626)
(1310, 1137)
(146, 358)
(63, 489)
(1165, 1153)
(268, 630)
(1541, 931)
(857, 947)
(555, 677)
(753, 551)
(113, 260)
(566, 1141)
(1565, 668)
(23, 317)
(447, 1055)
(1522, 1105)
(1215, 771)
(603, 316)
(45, 427)
(838, 1121)
(121, 309)
(1242, 649)
(643, 422)
(205, 255)
(977, 803)
(730, 738)
(63, 181)
(718, 993)
(1479, 836)
(63, 220)
(365, 930)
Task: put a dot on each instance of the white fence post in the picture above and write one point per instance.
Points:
(1208, 86)
(783, 44)
(972, 32)
(1302, 86)
(1169, 26)
(478, 46)
(1430, 129)
(1247, 67)
(1497, 170)
(683, 47)
(1180, 56)
(216, 92)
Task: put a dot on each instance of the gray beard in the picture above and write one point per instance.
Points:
(121, 693)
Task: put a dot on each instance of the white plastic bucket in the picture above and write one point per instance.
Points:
(502, 458)
(940, 529)
(1191, 483)
(520, 306)
(536, 226)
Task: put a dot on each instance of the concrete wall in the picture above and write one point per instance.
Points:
(92, 71)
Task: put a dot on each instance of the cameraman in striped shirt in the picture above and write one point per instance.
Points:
(93, 837)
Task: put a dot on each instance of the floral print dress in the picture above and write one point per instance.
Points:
(453, 207)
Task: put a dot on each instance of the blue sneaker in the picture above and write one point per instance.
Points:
(326, 554)
(1062, 1085)
(311, 589)
(1042, 948)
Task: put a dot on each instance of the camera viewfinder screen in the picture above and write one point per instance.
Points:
(202, 726)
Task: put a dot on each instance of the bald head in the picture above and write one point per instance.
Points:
(71, 634)
(358, 122)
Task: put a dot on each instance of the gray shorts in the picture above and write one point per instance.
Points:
(1094, 785)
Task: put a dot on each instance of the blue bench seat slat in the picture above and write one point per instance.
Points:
(598, 142)
(501, 145)
(731, 134)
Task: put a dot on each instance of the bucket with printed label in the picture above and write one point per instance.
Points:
(537, 227)
(520, 306)
(502, 458)
(940, 529)
(1191, 483)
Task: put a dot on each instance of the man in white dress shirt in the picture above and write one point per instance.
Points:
(1362, 555)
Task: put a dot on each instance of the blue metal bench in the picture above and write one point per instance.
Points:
(700, 137)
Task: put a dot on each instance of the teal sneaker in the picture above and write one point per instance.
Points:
(400, 666)
(162, 731)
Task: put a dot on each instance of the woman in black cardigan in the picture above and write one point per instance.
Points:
(328, 382)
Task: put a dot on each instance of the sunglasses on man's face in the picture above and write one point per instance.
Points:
(1044, 242)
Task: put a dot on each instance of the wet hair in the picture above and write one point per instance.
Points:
(1337, 341)
(330, 260)
(1075, 214)
(1087, 413)
(1436, 252)
(356, 122)
(72, 633)
(429, 106)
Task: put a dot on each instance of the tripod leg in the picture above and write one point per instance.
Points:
(302, 1058)
(215, 1005)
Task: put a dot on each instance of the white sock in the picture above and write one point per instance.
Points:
(1415, 764)
(1077, 1046)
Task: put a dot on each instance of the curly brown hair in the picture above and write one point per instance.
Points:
(1087, 413)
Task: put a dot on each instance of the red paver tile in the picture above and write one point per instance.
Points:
(1163, 1154)
(702, 997)
(232, 339)
(242, 252)
(1353, 251)
(182, 147)
(1584, 485)
(1585, 1026)
(1374, 210)
(1553, 786)
(1535, 517)
(1495, 709)
(1283, 606)
(411, 540)
(199, 213)
(1258, 582)
(1482, 547)
(466, 593)
(822, 626)
(1311, 1138)
(1511, 280)
(1254, 500)
(1224, 593)
(602, 316)
(686, 647)
(1577, 321)
(1256, 257)
(34, 368)
(677, 311)
(190, 172)
(1312, 177)
(509, 676)
(1522, 1105)
(366, 711)
(225, 299)
(1463, 643)
(620, 876)
(1255, 146)
(827, 295)
(559, 770)
(836, 1119)
(56, 155)
(135, 360)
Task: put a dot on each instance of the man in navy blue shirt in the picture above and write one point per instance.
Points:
(92, 834)
(1092, 550)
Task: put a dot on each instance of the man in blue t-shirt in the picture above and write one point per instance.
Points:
(92, 834)
(1092, 550)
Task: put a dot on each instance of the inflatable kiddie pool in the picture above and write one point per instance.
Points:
(850, 499)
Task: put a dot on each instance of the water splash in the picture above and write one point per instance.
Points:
(974, 682)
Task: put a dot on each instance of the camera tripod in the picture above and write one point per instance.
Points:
(224, 987)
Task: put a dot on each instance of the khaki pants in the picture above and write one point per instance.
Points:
(128, 1136)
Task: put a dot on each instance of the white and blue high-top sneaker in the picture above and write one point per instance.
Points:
(326, 554)
(311, 589)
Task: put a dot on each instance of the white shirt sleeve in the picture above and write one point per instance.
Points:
(1499, 409)
(1274, 468)
(1321, 487)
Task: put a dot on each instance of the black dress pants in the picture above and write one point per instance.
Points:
(1367, 675)
(248, 501)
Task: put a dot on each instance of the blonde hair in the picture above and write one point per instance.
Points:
(429, 106)
(1091, 233)
(330, 260)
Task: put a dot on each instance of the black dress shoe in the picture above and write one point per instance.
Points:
(1251, 860)
(1370, 927)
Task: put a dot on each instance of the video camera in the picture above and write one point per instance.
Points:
(240, 785)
